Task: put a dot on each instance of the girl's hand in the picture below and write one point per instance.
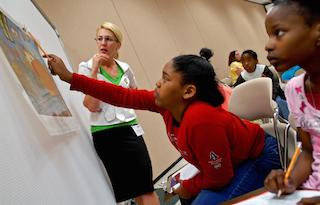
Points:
(275, 181)
(310, 201)
(57, 67)
(182, 192)
(239, 70)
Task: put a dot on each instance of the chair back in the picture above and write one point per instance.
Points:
(292, 121)
(287, 139)
(252, 100)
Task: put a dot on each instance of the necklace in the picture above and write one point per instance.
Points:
(310, 92)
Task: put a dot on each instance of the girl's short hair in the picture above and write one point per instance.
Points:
(309, 9)
(251, 53)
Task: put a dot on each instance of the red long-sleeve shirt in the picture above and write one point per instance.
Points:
(210, 138)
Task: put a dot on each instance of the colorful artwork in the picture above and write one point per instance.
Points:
(23, 55)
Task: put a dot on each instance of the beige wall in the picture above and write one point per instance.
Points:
(154, 32)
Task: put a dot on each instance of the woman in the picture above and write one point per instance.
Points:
(232, 155)
(235, 66)
(114, 129)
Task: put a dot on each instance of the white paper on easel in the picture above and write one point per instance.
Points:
(268, 198)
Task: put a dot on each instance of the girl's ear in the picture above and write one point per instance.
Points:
(189, 92)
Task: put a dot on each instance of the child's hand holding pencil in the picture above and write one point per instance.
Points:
(280, 182)
(291, 165)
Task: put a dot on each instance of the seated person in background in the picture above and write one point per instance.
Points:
(235, 66)
(233, 155)
(254, 70)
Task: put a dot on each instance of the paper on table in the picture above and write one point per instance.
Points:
(186, 172)
(268, 198)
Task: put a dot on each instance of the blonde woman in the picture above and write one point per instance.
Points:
(117, 136)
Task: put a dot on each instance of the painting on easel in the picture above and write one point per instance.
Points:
(22, 53)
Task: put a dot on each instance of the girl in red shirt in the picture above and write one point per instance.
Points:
(233, 156)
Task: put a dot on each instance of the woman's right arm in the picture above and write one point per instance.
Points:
(91, 103)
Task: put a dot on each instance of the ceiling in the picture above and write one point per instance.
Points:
(263, 2)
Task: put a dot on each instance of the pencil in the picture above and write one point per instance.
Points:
(291, 165)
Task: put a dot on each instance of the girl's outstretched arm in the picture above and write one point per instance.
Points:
(104, 91)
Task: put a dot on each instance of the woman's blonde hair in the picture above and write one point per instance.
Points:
(114, 29)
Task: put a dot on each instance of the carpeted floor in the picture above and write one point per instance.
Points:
(163, 199)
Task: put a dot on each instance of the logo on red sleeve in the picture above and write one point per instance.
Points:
(215, 160)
